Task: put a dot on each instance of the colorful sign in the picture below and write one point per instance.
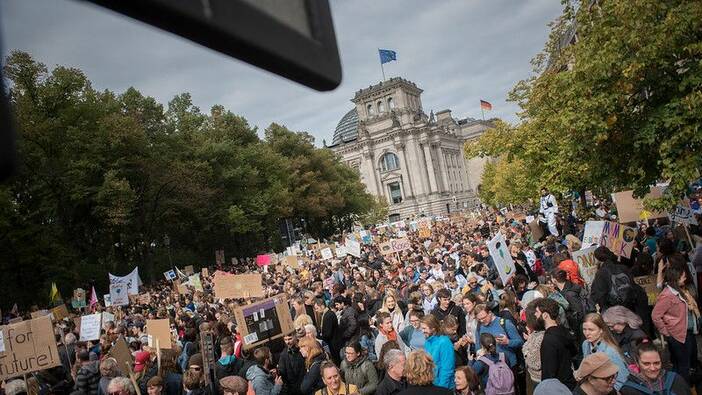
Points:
(503, 260)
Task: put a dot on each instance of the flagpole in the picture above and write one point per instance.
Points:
(381, 65)
(482, 111)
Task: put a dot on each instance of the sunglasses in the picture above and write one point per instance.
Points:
(608, 378)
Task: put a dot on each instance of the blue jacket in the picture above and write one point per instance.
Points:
(441, 350)
(614, 356)
(515, 340)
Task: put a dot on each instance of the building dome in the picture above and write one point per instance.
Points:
(347, 129)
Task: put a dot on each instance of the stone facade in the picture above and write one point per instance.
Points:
(413, 160)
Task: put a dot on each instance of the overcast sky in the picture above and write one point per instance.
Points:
(457, 51)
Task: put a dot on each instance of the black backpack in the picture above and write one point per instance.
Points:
(621, 290)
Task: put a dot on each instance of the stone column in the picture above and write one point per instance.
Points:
(430, 168)
(417, 172)
(443, 172)
(404, 168)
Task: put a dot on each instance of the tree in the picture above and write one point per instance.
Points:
(619, 108)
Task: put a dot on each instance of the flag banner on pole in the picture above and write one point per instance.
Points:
(485, 105)
(387, 55)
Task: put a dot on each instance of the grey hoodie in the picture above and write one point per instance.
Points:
(262, 381)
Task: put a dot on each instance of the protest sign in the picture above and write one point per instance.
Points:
(503, 260)
(205, 272)
(587, 264)
(424, 233)
(385, 248)
(292, 261)
(78, 300)
(353, 247)
(159, 330)
(230, 286)
(195, 282)
(119, 294)
(107, 317)
(108, 300)
(132, 280)
(41, 313)
(326, 253)
(263, 260)
(648, 283)
(618, 238)
(170, 275)
(263, 321)
(593, 233)
(60, 312)
(26, 347)
(183, 289)
(399, 245)
(90, 326)
(682, 215)
(630, 209)
(189, 270)
(341, 252)
(120, 352)
(536, 231)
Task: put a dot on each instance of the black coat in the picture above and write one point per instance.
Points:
(291, 366)
(348, 323)
(601, 284)
(557, 352)
(426, 390)
(388, 386)
(312, 382)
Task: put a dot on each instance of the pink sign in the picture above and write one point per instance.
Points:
(263, 260)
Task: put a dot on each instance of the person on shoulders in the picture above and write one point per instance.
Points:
(652, 378)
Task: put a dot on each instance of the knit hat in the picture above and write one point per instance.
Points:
(598, 365)
(234, 384)
(551, 387)
(195, 360)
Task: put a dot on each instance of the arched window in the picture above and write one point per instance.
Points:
(389, 162)
(391, 103)
(370, 109)
(381, 107)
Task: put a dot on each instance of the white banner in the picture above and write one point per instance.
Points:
(132, 281)
(353, 248)
(341, 251)
(593, 233)
(327, 253)
(90, 326)
(585, 258)
(503, 260)
(119, 294)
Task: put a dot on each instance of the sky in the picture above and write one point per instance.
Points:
(458, 52)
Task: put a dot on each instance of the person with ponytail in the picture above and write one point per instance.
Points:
(488, 349)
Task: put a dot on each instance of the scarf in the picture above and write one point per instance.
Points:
(392, 335)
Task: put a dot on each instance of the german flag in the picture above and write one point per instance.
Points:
(485, 105)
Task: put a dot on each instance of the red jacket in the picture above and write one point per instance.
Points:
(670, 314)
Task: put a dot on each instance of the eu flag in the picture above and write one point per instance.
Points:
(387, 55)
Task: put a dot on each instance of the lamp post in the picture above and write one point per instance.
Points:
(167, 242)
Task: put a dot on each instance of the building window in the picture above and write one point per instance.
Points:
(395, 193)
(389, 162)
(370, 109)
(394, 217)
(381, 107)
(391, 103)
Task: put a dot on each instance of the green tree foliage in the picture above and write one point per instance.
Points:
(620, 108)
(104, 177)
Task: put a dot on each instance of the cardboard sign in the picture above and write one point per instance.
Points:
(503, 260)
(230, 286)
(90, 326)
(205, 272)
(630, 209)
(263, 260)
(60, 312)
(189, 270)
(326, 253)
(618, 238)
(385, 248)
(353, 248)
(587, 264)
(159, 330)
(183, 289)
(341, 252)
(26, 347)
(120, 352)
(41, 313)
(194, 282)
(170, 275)
(593, 233)
(263, 321)
(537, 233)
(648, 283)
(119, 294)
(424, 233)
(292, 261)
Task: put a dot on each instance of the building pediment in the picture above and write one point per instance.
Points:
(390, 175)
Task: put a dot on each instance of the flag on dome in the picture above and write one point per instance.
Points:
(484, 105)
(387, 55)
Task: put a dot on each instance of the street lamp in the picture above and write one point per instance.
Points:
(167, 242)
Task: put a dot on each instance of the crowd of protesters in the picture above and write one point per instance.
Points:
(432, 319)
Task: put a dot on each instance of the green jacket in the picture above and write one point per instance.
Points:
(362, 374)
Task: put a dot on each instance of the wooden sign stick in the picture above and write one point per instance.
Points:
(132, 378)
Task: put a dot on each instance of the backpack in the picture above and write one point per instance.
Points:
(621, 291)
(500, 377)
(667, 386)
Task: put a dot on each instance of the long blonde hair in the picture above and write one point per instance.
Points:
(596, 319)
(313, 349)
